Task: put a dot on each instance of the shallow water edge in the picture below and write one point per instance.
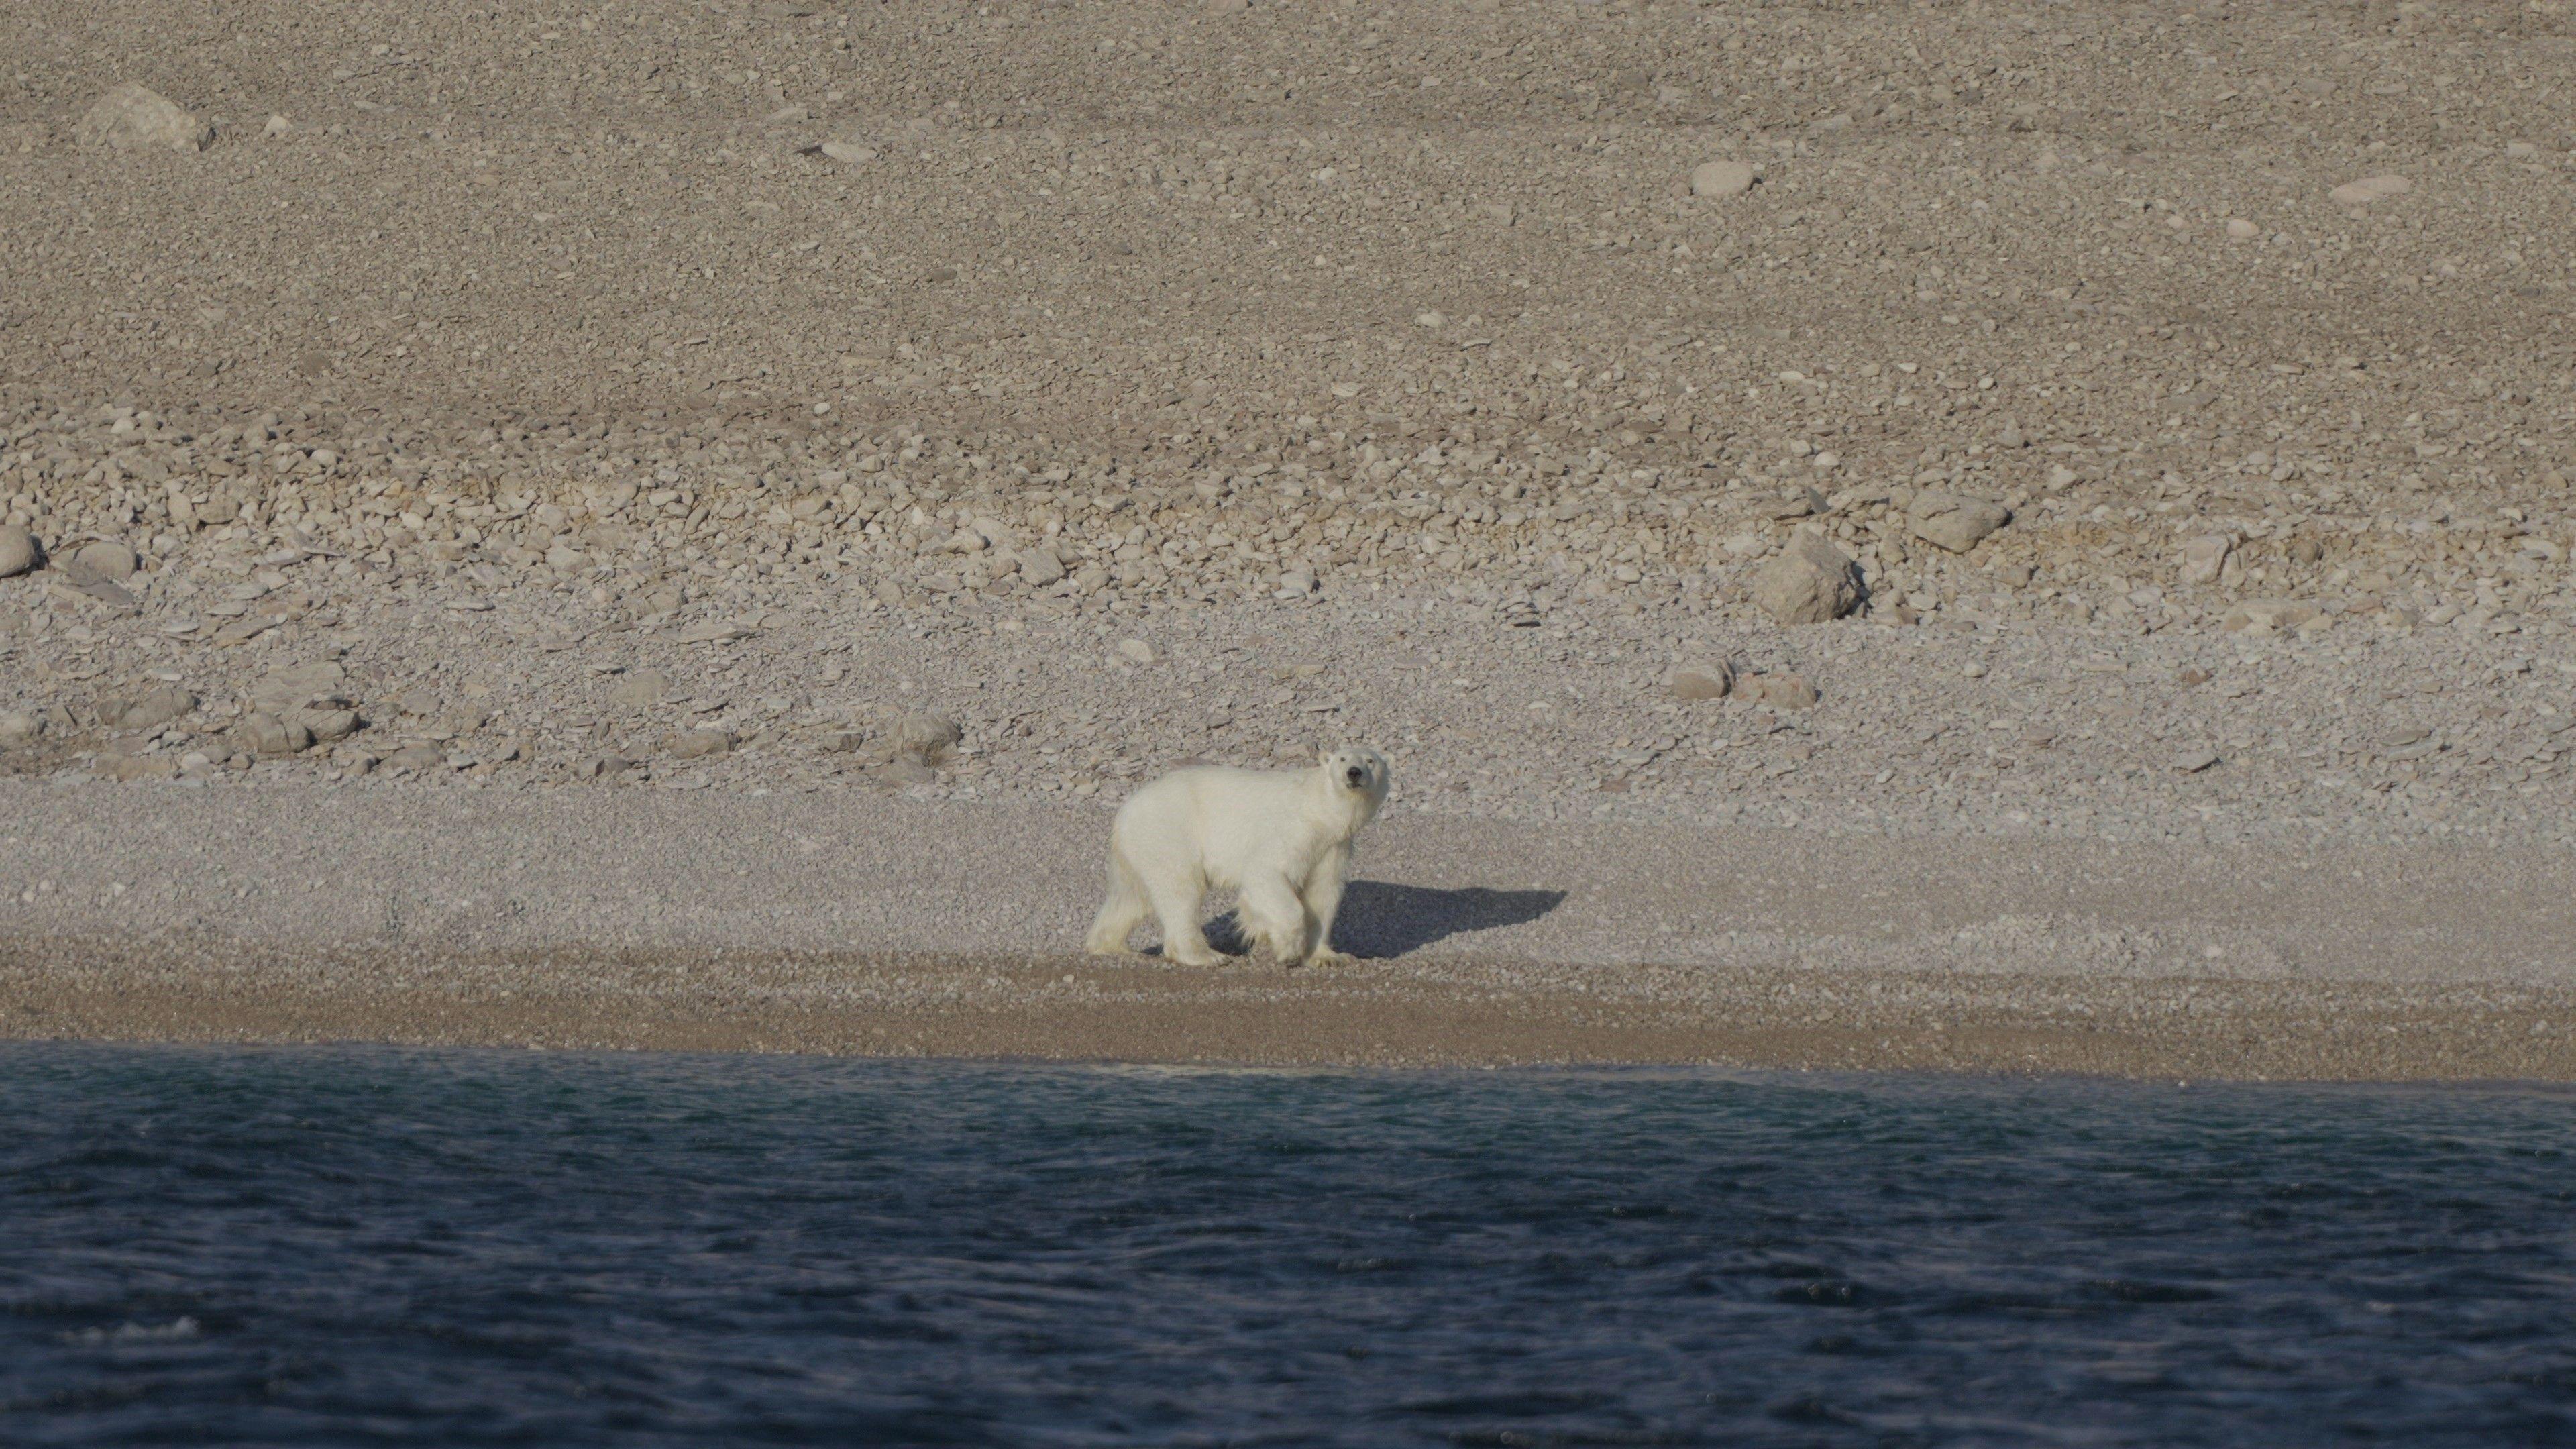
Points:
(1451, 1012)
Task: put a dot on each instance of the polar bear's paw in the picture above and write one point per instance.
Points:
(1330, 957)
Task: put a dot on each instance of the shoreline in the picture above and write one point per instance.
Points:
(1467, 1016)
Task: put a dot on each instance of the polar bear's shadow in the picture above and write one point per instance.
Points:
(1380, 918)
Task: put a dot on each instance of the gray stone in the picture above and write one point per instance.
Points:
(2192, 762)
(18, 730)
(289, 691)
(1811, 582)
(135, 767)
(2205, 558)
(1041, 568)
(422, 756)
(1955, 523)
(1721, 178)
(266, 734)
(1135, 651)
(329, 724)
(104, 560)
(131, 116)
(696, 744)
(1779, 691)
(925, 738)
(1700, 681)
(19, 551)
(640, 691)
(148, 709)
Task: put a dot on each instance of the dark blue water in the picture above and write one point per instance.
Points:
(382, 1246)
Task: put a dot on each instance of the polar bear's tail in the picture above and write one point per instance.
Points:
(1120, 915)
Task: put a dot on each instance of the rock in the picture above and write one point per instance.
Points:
(18, 729)
(848, 153)
(2192, 762)
(329, 725)
(288, 692)
(2306, 550)
(19, 551)
(2239, 229)
(716, 632)
(1700, 681)
(1721, 178)
(601, 767)
(1136, 651)
(1295, 584)
(2266, 616)
(129, 116)
(277, 126)
(2205, 558)
(904, 772)
(135, 767)
(1811, 582)
(266, 734)
(1955, 523)
(1779, 691)
(697, 744)
(105, 560)
(1041, 568)
(640, 691)
(149, 709)
(421, 756)
(924, 737)
(2369, 189)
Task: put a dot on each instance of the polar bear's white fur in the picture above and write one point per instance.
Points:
(1282, 840)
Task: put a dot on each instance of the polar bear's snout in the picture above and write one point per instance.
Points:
(1356, 775)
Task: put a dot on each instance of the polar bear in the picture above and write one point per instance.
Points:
(1283, 840)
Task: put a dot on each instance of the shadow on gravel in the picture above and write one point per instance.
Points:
(1383, 919)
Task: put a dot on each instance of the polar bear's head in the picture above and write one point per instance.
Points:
(1357, 770)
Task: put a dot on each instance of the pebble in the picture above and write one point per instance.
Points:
(1779, 691)
(2192, 762)
(924, 737)
(1955, 523)
(18, 551)
(697, 744)
(2204, 558)
(266, 734)
(2369, 189)
(1136, 651)
(640, 691)
(149, 709)
(1696, 682)
(1721, 178)
(130, 116)
(1811, 582)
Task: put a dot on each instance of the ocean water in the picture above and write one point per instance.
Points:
(381, 1246)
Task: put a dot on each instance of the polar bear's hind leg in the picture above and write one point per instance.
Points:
(1120, 915)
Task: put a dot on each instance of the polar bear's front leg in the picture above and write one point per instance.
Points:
(1275, 918)
(1323, 899)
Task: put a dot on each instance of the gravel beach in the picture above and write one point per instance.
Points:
(2072, 500)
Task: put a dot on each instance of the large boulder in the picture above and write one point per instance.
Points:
(1811, 582)
(1955, 523)
(130, 116)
